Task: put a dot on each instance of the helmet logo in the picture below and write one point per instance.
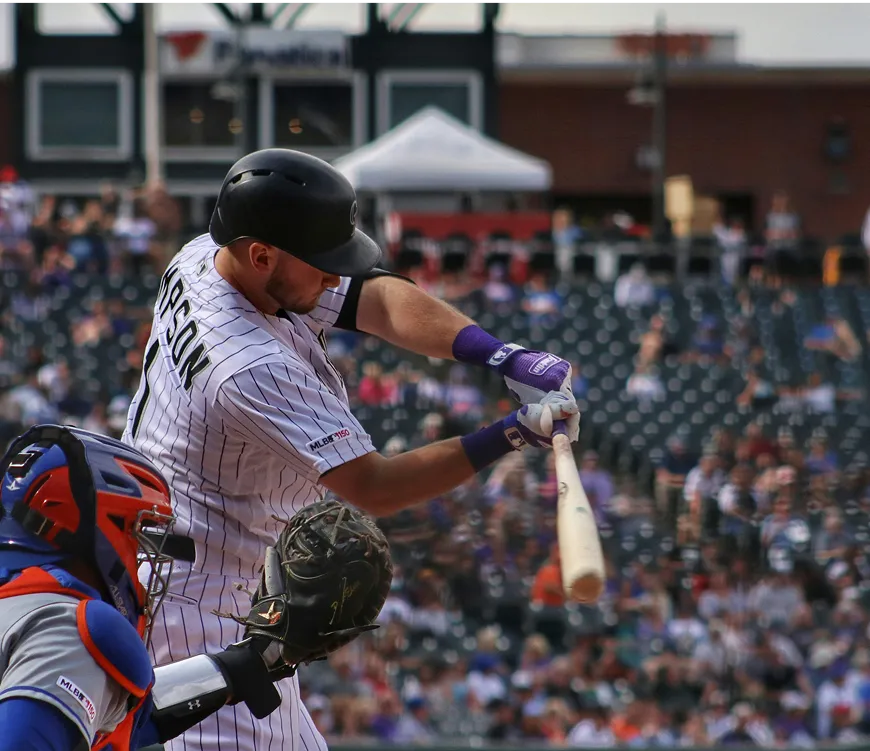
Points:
(354, 210)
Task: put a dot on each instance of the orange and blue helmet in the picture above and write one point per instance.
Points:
(72, 495)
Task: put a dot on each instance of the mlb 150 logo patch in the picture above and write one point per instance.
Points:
(328, 440)
(80, 696)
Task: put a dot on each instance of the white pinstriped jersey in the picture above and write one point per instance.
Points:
(241, 411)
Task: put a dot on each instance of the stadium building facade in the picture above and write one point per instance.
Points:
(741, 132)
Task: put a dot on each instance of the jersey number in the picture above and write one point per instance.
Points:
(150, 357)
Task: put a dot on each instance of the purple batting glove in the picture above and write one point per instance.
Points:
(530, 375)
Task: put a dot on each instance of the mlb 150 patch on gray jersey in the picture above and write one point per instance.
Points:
(42, 657)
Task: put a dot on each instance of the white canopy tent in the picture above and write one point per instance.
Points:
(434, 152)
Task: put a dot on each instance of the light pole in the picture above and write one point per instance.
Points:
(240, 103)
(153, 117)
(659, 128)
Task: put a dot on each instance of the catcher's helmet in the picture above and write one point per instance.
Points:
(297, 203)
(72, 495)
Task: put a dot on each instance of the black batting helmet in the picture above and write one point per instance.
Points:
(297, 203)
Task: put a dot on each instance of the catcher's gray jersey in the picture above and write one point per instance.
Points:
(43, 657)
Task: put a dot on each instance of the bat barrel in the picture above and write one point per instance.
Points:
(583, 573)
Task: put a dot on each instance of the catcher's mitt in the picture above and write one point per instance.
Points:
(323, 583)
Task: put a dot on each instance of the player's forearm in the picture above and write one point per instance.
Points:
(407, 317)
(413, 477)
(383, 486)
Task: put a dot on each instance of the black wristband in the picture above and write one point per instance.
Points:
(249, 679)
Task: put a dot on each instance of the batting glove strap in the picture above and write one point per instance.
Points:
(491, 443)
(475, 347)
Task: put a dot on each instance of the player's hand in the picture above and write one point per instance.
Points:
(530, 375)
(534, 424)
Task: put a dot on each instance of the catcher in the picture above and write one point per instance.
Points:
(79, 514)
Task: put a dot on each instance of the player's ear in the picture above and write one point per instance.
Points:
(262, 256)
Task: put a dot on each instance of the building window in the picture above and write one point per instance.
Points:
(407, 99)
(198, 115)
(402, 94)
(316, 115)
(79, 114)
(323, 115)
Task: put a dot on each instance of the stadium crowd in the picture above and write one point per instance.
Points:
(736, 605)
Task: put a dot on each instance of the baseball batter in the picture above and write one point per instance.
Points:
(243, 412)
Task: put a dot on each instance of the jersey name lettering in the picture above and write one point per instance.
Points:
(180, 333)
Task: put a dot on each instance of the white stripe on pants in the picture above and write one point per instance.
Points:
(187, 626)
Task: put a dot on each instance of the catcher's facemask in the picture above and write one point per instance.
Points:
(69, 494)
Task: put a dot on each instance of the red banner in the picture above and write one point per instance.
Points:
(519, 225)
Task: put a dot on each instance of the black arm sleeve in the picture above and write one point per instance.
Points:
(347, 317)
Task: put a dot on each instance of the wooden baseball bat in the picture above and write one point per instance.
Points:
(583, 573)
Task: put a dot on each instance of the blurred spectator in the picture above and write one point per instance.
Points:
(820, 396)
(707, 341)
(740, 507)
(30, 403)
(498, 291)
(414, 726)
(136, 233)
(654, 344)
(31, 303)
(836, 338)
(700, 491)
(783, 224)
(758, 392)
(485, 681)
(834, 697)
(820, 461)
(375, 389)
(645, 385)
(432, 428)
(579, 382)
(93, 328)
(634, 288)
(461, 397)
(593, 731)
(87, 245)
(547, 589)
(54, 272)
(833, 541)
(671, 477)
(732, 241)
(597, 482)
(541, 302)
